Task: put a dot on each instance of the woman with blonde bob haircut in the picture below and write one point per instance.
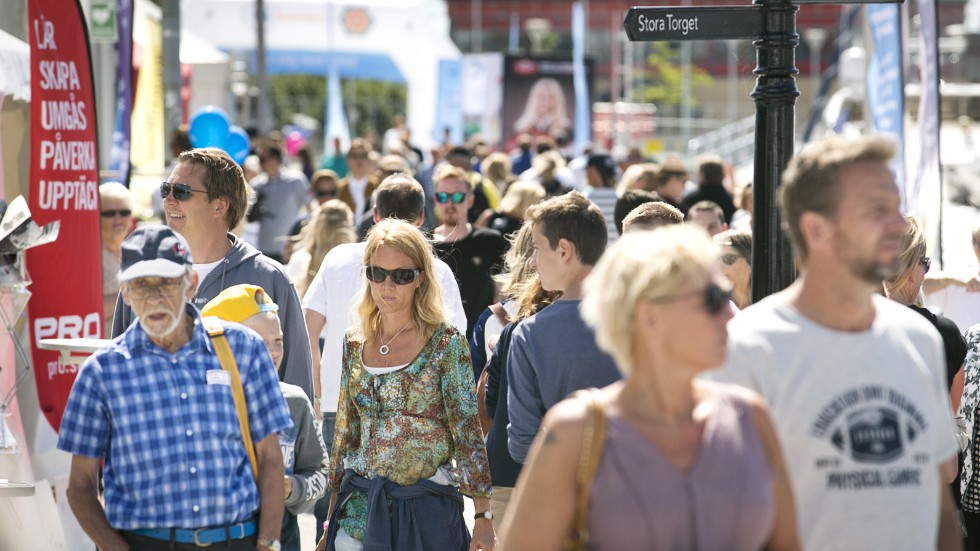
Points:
(331, 224)
(509, 216)
(407, 444)
(683, 463)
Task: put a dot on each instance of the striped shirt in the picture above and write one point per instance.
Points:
(168, 429)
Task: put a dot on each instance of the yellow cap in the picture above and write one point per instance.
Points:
(238, 303)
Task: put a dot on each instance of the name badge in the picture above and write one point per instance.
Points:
(219, 377)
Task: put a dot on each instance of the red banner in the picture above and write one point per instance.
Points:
(66, 299)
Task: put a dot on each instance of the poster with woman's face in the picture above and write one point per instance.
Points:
(539, 97)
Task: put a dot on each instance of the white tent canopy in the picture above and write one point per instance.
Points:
(15, 68)
(409, 33)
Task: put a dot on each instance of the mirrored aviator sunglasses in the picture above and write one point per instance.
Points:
(182, 192)
(400, 276)
(456, 197)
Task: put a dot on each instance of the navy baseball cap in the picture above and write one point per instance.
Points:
(603, 163)
(154, 251)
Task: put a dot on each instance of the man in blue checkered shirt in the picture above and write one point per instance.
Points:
(157, 406)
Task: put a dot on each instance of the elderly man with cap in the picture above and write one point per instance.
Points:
(303, 453)
(157, 406)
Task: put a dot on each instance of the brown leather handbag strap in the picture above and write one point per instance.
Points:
(593, 444)
(498, 310)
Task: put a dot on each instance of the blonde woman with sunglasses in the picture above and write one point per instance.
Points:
(407, 412)
(684, 463)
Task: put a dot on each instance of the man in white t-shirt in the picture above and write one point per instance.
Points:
(955, 293)
(855, 381)
(329, 305)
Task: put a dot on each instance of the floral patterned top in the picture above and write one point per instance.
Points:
(404, 425)
(970, 399)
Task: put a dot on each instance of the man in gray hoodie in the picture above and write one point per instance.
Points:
(205, 196)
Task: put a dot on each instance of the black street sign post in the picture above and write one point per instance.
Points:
(771, 25)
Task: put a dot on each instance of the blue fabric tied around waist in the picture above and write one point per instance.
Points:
(424, 515)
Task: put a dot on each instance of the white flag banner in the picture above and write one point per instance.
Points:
(925, 197)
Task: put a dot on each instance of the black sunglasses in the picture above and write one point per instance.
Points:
(326, 193)
(716, 299)
(400, 276)
(113, 213)
(182, 192)
(456, 197)
(926, 262)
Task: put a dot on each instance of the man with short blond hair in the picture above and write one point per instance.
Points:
(856, 382)
(649, 216)
(474, 254)
(709, 216)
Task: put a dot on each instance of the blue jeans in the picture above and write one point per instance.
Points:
(320, 509)
(289, 535)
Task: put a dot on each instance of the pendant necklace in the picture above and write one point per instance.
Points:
(384, 347)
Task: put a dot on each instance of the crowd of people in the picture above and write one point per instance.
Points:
(568, 340)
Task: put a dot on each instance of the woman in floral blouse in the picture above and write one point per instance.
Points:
(408, 444)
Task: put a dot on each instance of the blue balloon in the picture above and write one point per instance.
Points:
(209, 127)
(236, 144)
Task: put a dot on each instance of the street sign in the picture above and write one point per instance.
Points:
(672, 23)
(771, 25)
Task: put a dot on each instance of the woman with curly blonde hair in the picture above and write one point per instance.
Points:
(407, 444)
(330, 225)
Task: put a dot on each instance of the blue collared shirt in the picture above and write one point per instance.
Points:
(167, 428)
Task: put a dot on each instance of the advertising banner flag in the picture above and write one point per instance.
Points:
(147, 147)
(449, 102)
(583, 108)
(886, 88)
(119, 155)
(67, 274)
(925, 197)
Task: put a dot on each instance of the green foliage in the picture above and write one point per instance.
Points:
(661, 79)
(370, 105)
(291, 94)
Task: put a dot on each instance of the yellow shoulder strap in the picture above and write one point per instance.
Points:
(217, 334)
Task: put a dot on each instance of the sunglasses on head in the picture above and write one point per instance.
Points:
(716, 299)
(113, 213)
(926, 262)
(729, 259)
(456, 197)
(182, 192)
(400, 276)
